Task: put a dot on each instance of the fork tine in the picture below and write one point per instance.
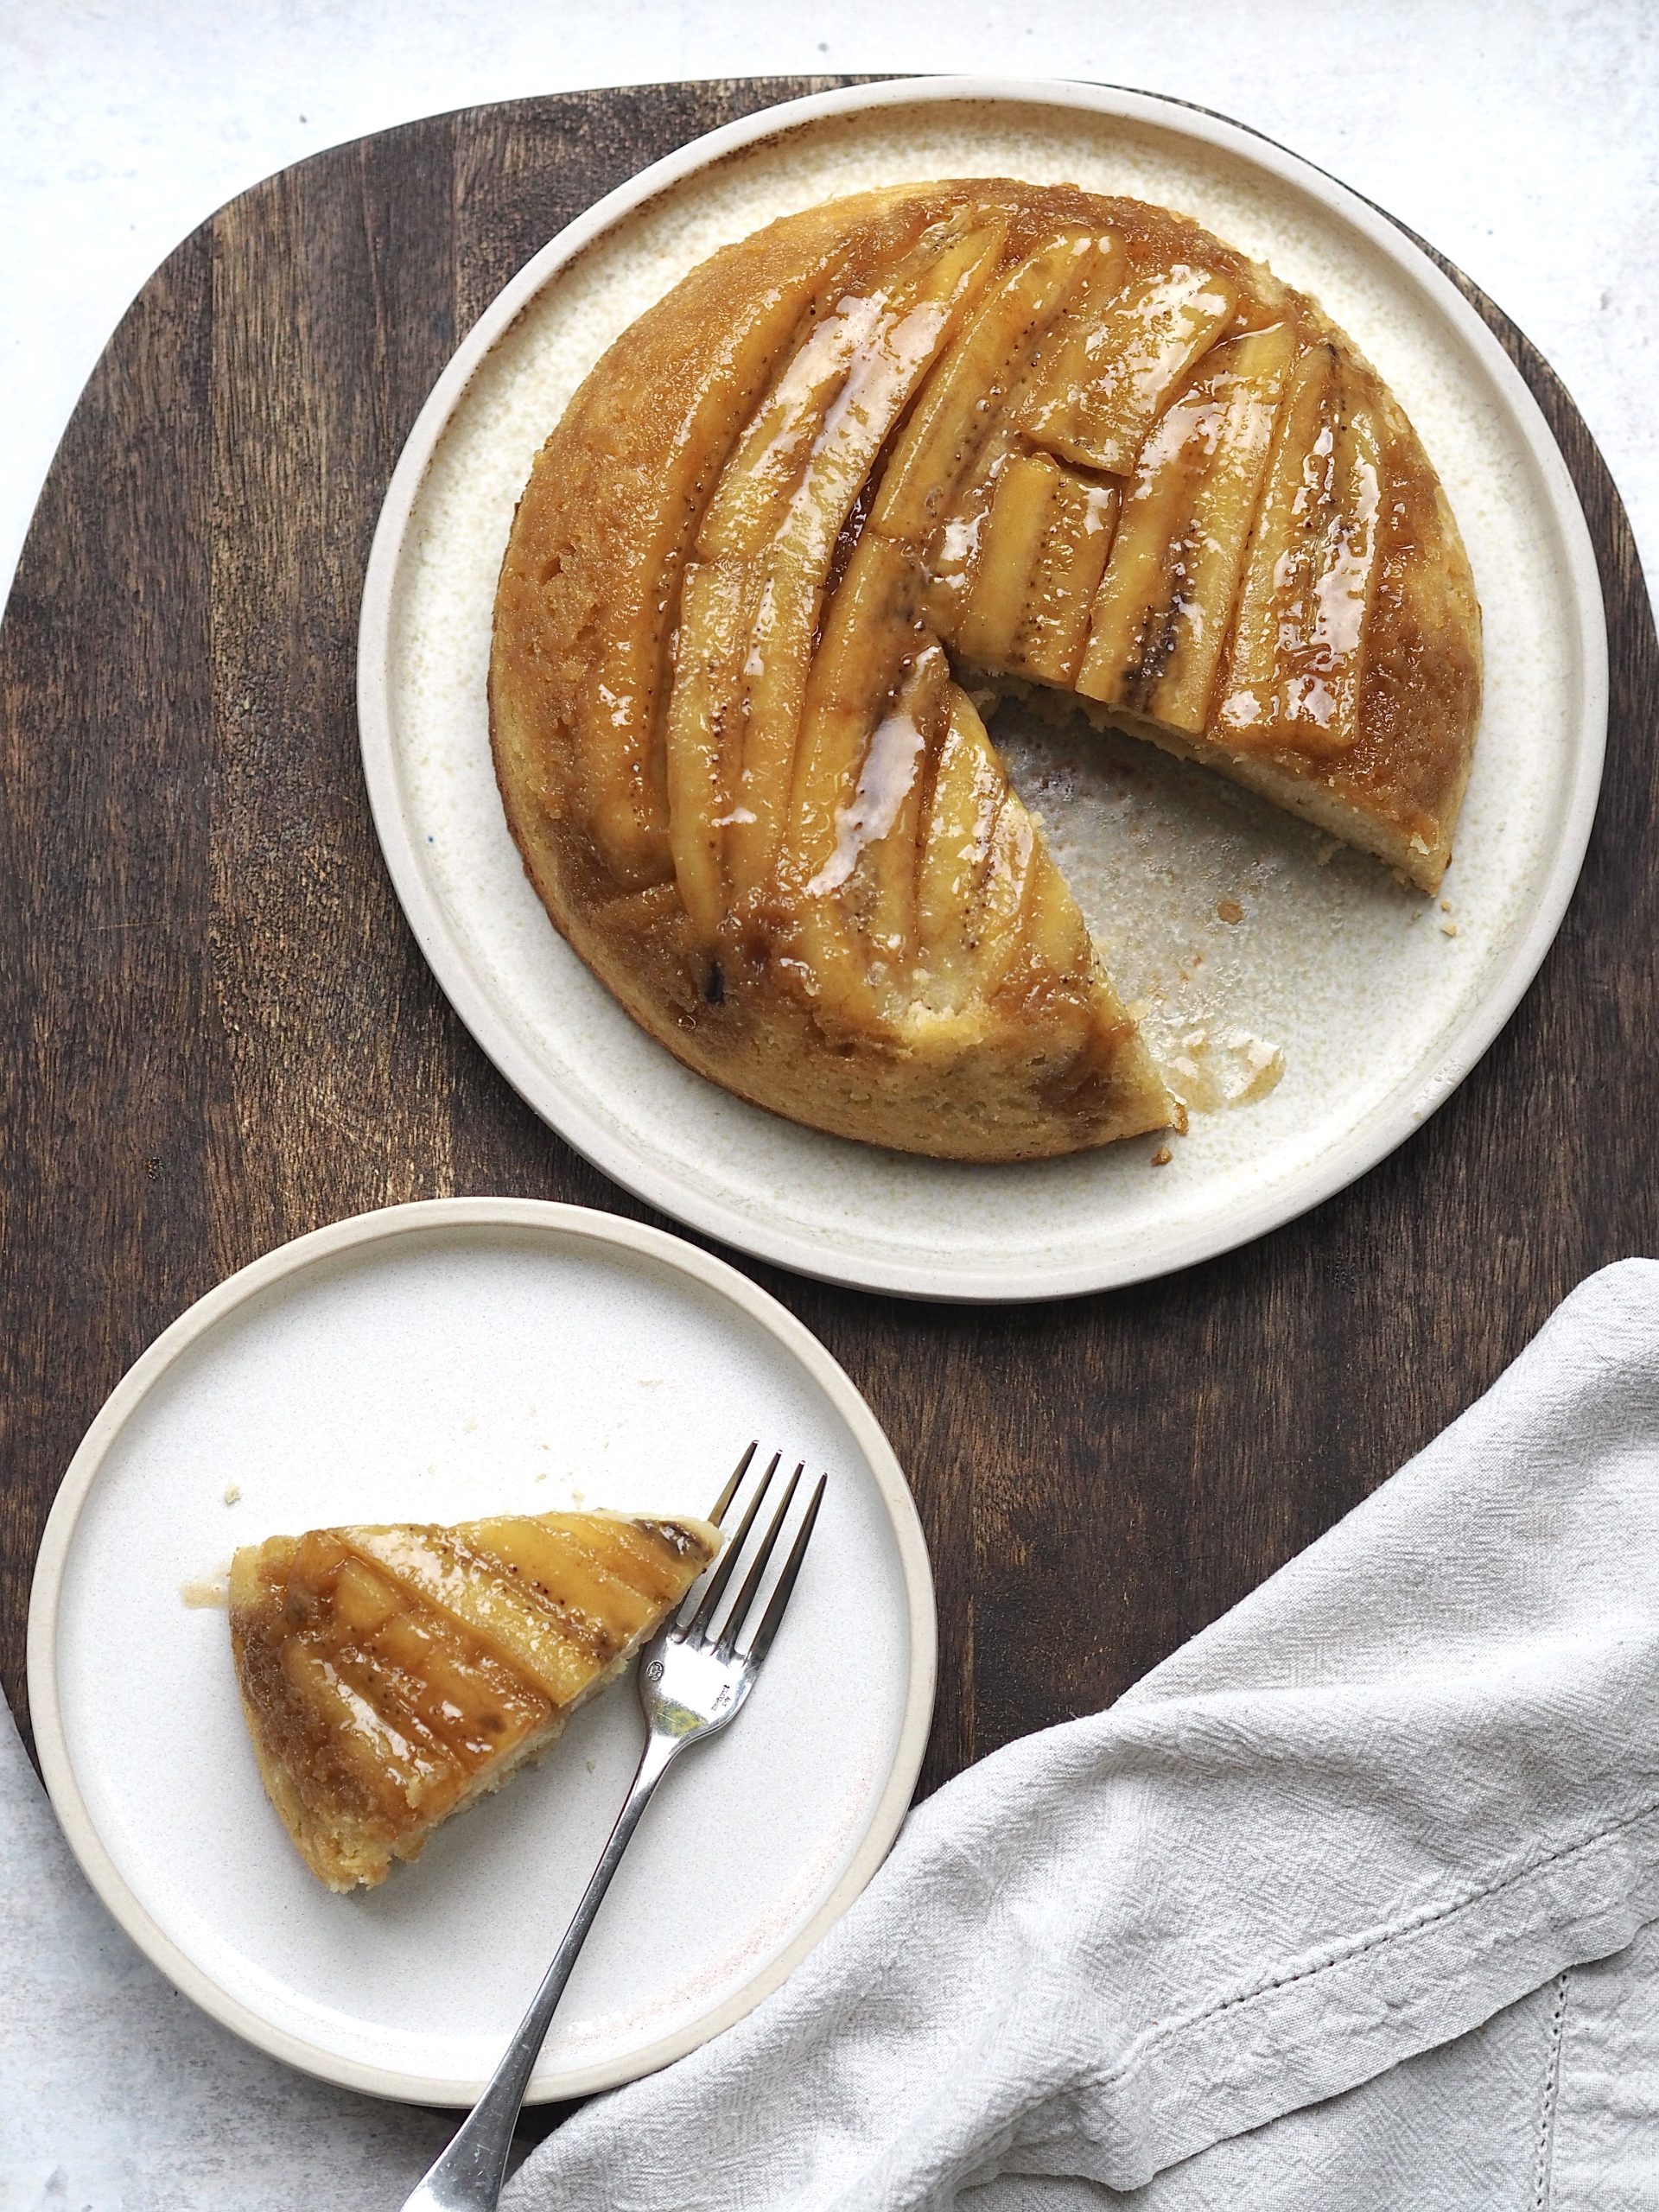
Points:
(756, 1575)
(760, 1641)
(698, 1624)
(731, 1489)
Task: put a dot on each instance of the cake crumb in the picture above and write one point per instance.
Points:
(467, 1427)
(1234, 1068)
(1230, 909)
(1326, 851)
(591, 1765)
(1448, 929)
(232, 1493)
(1162, 1156)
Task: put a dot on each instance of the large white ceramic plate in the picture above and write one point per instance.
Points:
(1378, 1002)
(432, 1363)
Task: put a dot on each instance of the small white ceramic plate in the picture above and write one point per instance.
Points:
(432, 1362)
(1253, 947)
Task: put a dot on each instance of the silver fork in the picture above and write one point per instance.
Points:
(692, 1682)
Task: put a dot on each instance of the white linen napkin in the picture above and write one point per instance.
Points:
(1236, 1932)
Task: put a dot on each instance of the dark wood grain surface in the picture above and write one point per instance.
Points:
(219, 1032)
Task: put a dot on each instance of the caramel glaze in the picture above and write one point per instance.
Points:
(389, 1675)
(977, 430)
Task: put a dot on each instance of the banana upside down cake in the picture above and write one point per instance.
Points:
(892, 456)
(391, 1676)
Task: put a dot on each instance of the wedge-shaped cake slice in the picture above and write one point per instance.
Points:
(389, 1676)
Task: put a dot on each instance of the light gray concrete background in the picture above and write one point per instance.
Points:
(1519, 137)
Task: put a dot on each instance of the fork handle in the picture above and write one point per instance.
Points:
(468, 2175)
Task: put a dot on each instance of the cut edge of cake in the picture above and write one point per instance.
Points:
(1420, 860)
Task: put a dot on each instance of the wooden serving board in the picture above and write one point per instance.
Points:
(219, 1032)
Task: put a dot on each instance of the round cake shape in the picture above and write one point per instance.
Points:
(851, 478)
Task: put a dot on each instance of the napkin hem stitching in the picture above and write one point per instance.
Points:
(1360, 1948)
(1544, 2156)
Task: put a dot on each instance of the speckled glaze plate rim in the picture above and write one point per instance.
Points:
(358, 1235)
(770, 1233)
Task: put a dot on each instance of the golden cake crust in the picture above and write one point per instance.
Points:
(732, 582)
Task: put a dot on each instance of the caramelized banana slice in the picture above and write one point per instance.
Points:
(1293, 675)
(1009, 548)
(1055, 930)
(953, 554)
(391, 1771)
(1166, 603)
(872, 631)
(857, 909)
(702, 737)
(889, 815)
(968, 784)
(980, 857)
(996, 911)
(1112, 382)
(1053, 626)
(1065, 353)
(775, 451)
